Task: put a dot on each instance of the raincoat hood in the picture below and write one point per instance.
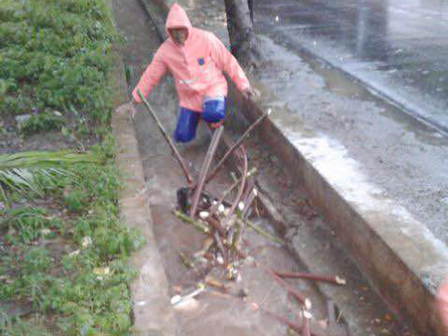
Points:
(177, 18)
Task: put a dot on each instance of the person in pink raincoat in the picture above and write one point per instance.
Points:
(197, 60)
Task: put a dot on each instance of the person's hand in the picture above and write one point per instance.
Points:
(250, 93)
(126, 109)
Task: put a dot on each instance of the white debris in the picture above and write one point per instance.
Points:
(187, 305)
(241, 206)
(221, 208)
(101, 270)
(307, 314)
(74, 253)
(220, 259)
(254, 306)
(340, 281)
(204, 214)
(277, 19)
(308, 304)
(86, 241)
(177, 299)
(57, 113)
(45, 232)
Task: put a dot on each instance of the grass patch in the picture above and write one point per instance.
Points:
(63, 250)
(56, 56)
(71, 262)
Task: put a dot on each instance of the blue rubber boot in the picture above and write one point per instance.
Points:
(186, 125)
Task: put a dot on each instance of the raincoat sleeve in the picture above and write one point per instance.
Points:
(155, 70)
(228, 63)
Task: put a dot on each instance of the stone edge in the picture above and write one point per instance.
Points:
(152, 311)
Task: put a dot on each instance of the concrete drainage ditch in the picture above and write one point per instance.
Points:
(252, 300)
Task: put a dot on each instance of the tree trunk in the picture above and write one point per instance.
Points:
(243, 42)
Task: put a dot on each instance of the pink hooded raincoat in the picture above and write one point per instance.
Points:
(197, 66)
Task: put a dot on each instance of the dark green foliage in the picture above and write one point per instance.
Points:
(42, 122)
(56, 54)
(67, 257)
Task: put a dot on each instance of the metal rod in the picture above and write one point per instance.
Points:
(235, 146)
(167, 138)
(204, 170)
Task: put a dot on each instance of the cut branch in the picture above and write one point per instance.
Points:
(167, 138)
(235, 146)
(205, 167)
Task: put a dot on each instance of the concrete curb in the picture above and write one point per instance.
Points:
(152, 311)
(399, 255)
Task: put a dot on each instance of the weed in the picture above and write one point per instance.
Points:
(42, 122)
(30, 223)
(18, 327)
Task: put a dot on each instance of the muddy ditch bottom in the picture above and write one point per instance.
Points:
(237, 307)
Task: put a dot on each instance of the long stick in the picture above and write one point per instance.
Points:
(286, 322)
(204, 170)
(216, 224)
(167, 138)
(263, 233)
(198, 226)
(235, 146)
(306, 329)
(221, 248)
(248, 203)
(243, 183)
(283, 320)
(303, 300)
(308, 276)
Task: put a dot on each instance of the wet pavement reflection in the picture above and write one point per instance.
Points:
(399, 48)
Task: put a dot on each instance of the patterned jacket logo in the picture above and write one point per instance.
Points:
(201, 61)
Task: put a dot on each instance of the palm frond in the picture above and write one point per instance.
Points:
(22, 171)
(43, 159)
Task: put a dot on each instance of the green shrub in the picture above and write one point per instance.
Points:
(42, 122)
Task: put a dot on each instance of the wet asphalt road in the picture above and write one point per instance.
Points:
(398, 48)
